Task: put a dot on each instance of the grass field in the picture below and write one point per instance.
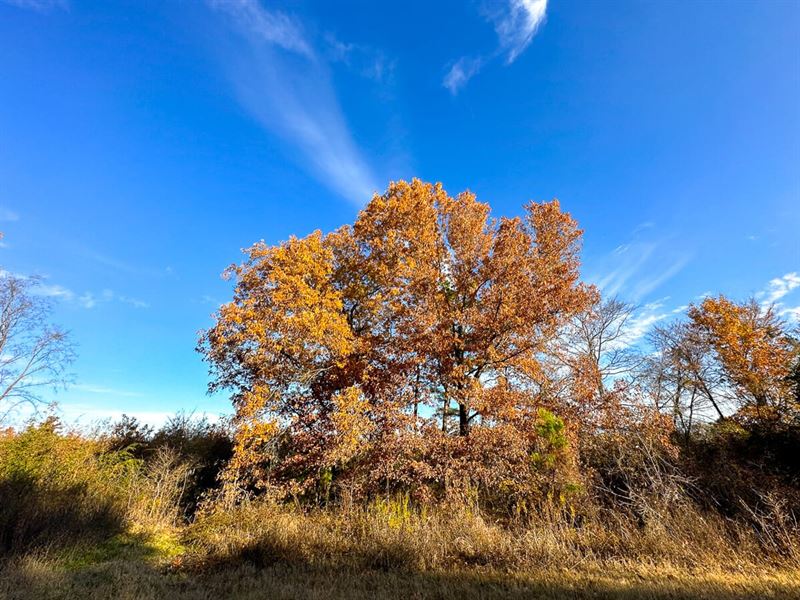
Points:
(80, 521)
(264, 552)
(151, 577)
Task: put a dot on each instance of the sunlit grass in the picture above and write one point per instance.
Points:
(390, 550)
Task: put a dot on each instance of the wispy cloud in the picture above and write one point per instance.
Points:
(54, 291)
(625, 262)
(792, 314)
(779, 287)
(90, 300)
(211, 300)
(267, 26)
(84, 414)
(661, 276)
(516, 23)
(134, 302)
(643, 226)
(517, 26)
(366, 61)
(42, 288)
(776, 290)
(637, 268)
(120, 265)
(642, 321)
(287, 88)
(461, 72)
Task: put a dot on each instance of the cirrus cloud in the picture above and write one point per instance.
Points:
(515, 23)
(286, 87)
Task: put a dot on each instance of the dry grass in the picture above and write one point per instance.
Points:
(126, 579)
(388, 550)
(58, 494)
(391, 535)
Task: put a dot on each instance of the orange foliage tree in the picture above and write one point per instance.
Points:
(754, 354)
(425, 319)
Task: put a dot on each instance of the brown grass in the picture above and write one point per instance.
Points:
(388, 550)
(392, 535)
(125, 579)
(55, 492)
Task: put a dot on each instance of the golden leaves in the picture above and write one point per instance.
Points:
(426, 300)
(351, 424)
(756, 356)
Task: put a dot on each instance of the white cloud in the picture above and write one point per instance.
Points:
(362, 59)
(517, 26)
(641, 322)
(116, 264)
(54, 291)
(85, 300)
(272, 27)
(134, 302)
(792, 314)
(83, 415)
(642, 226)
(776, 290)
(626, 264)
(461, 72)
(208, 299)
(287, 88)
(779, 287)
(639, 267)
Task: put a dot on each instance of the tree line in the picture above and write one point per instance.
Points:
(426, 364)
(429, 345)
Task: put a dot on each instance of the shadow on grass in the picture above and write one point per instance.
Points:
(261, 572)
(33, 519)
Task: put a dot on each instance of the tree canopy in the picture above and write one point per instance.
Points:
(429, 341)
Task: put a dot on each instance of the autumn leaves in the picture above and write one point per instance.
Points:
(383, 347)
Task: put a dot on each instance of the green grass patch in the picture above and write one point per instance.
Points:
(156, 547)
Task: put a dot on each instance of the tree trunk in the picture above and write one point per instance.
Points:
(463, 420)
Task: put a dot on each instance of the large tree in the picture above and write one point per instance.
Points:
(426, 308)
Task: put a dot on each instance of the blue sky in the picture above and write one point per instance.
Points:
(143, 144)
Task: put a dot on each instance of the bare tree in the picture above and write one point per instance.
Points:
(602, 334)
(682, 377)
(595, 350)
(34, 354)
(605, 335)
